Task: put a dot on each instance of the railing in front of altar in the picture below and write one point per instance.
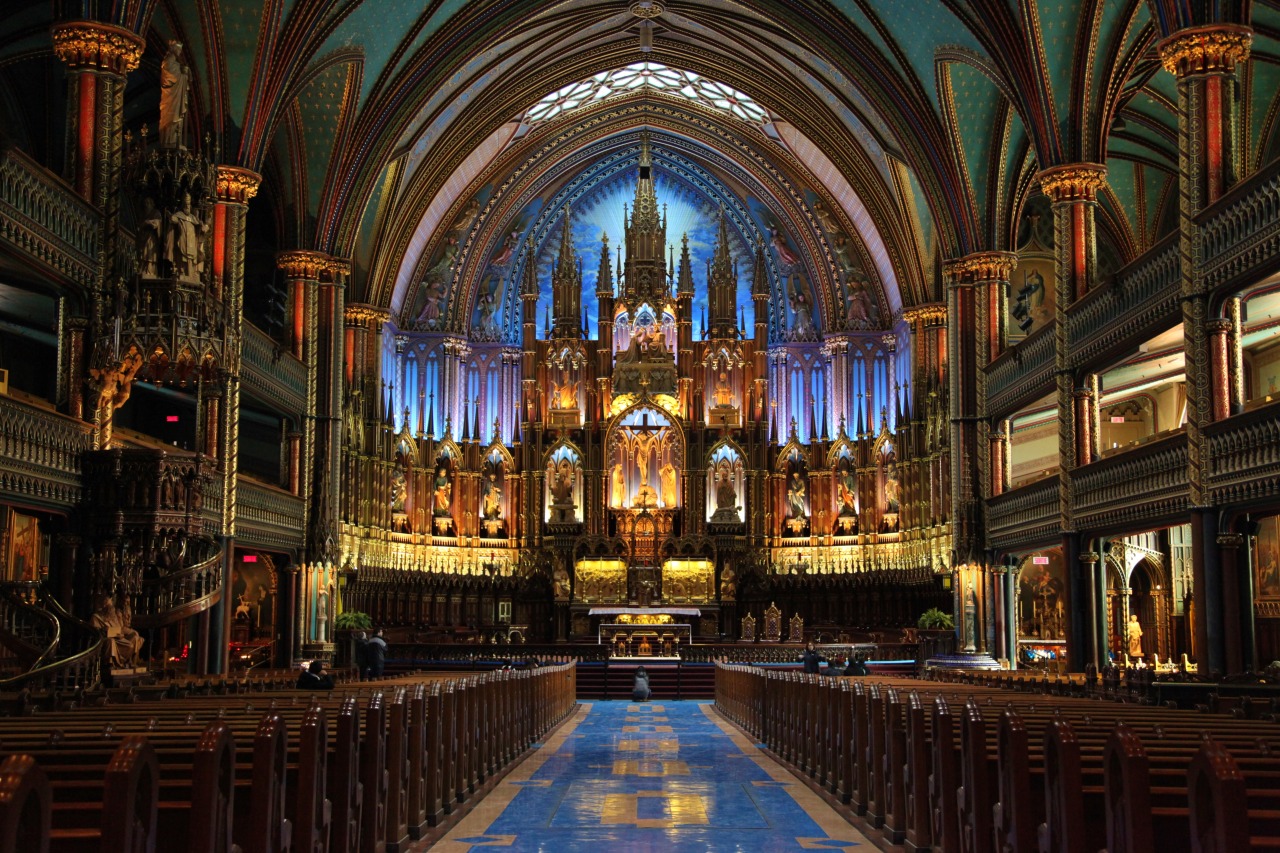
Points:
(488, 655)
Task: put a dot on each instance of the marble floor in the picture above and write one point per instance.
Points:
(653, 776)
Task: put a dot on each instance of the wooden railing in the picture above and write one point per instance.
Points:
(270, 372)
(1022, 374)
(1147, 484)
(1244, 456)
(185, 592)
(1138, 302)
(40, 453)
(1240, 233)
(1026, 516)
(44, 219)
(267, 516)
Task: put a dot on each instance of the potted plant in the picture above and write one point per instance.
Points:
(347, 623)
(934, 619)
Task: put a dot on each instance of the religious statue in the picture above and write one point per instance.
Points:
(728, 584)
(148, 240)
(1028, 308)
(492, 508)
(173, 96)
(618, 487)
(562, 485)
(726, 494)
(123, 643)
(857, 304)
(442, 496)
(433, 301)
(971, 620)
(508, 251)
(892, 491)
(723, 392)
(847, 490)
(1134, 634)
(667, 474)
(489, 314)
(566, 396)
(803, 327)
(560, 582)
(786, 258)
(399, 491)
(186, 242)
(795, 497)
(645, 445)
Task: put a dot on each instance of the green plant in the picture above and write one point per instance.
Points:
(353, 620)
(935, 618)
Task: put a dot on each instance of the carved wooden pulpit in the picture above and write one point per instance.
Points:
(773, 624)
(796, 632)
(748, 628)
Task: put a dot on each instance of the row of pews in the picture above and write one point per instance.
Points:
(973, 768)
(364, 768)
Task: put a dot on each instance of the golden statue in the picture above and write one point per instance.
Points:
(618, 495)
(670, 497)
(723, 393)
(567, 396)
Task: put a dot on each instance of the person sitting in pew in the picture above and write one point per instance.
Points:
(315, 678)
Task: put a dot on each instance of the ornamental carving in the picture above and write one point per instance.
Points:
(1214, 49)
(237, 185)
(982, 266)
(91, 45)
(1073, 182)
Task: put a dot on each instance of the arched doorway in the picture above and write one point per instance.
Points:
(1149, 601)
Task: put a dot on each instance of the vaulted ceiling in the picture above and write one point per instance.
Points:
(896, 132)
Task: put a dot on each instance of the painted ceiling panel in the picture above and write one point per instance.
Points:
(976, 106)
(241, 26)
(321, 104)
(1059, 26)
(918, 29)
(1264, 82)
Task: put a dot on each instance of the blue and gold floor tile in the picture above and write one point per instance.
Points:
(642, 776)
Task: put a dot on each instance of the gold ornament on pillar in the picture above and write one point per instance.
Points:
(91, 45)
(1073, 182)
(237, 185)
(1212, 49)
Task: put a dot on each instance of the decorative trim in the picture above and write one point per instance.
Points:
(90, 45)
(237, 185)
(1211, 49)
(981, 266)
(303, 264)
(932, 314)
(359, 313)
(1073, 182)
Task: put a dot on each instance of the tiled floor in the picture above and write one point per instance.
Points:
(657, 776)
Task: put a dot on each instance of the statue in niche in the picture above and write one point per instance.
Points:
(186, 242)
(645, 446)
(669, 493)
(566, 395)
(508, 251)
(174, 77)
(123, 642)
(826, 219)
(728, 584)
(723, 392)
(491, 509)
(489, 314)
(562, 485)
(399, 491)
(1133, 633)
(857, 304)
(148, 240)
(618, 487)
(560, 581)
(795, 496)
(726, 494)
(433, 302)
(892, 490)
(442, 489)
(848, 489)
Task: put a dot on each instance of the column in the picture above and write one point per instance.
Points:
(1220, 359)
(1072, 189)
(1230, 549)
(302, 274)
(1204, 61)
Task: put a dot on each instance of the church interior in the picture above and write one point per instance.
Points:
(553, 340)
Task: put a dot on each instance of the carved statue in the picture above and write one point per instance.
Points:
(508, 251)
(723, 392)
(1134, 635)
(892, 491)
(786, 257)
(795, 497)
(726, 494)
(728, 584)
(847, 490)
(442, 496)
(148, 240)
(122, 643)
(670, 496)
(489, 314)
(618, 487)
(173, 96)
(566, 396)
(562, 485)
(492, 508)
(399, 491)
(857, 304)
(186, 242)
(803, 327)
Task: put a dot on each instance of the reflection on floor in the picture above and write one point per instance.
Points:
(651, 776)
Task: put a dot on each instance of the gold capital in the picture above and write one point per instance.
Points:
(90, 45)
(302, 264)
(237, 185)
(981, 266)
(358, 313)
(932, 314)
(1073, 182)
(1212, 49)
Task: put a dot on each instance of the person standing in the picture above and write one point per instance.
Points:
(361, 654)
(376, 654)
(811, 659)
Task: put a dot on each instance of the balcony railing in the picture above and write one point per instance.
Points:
(1140, 301)
(1240, 233)
(271, 372)
(1244, 456)
(1146, 484)
(40, 453)
(1025, 517)
(267, 516)
(1022, 374)
(43, 218)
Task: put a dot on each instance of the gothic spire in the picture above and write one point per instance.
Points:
(684, 280)
(566, 285)
(604, 278)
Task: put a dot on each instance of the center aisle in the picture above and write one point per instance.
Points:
(658, 776)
